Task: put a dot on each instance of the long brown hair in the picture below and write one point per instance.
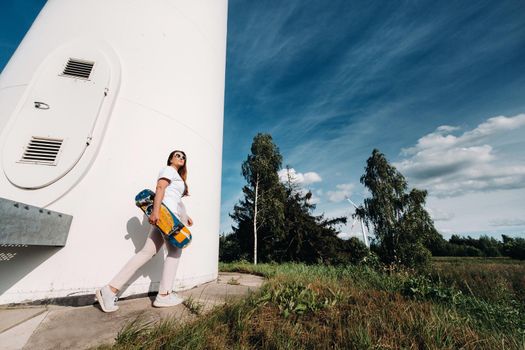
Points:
(183, 171)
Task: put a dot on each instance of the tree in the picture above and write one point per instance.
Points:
(354, 251)
(260, 215)
(229, 249)
(274, 221)
(399, 220)
(310, 238)
(437, 245)
(514, 247)
(468, 246)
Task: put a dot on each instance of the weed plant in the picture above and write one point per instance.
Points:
(351, 307)
(194, 306)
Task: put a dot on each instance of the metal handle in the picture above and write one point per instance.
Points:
(41, 105)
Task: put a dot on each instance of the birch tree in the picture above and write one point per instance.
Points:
(260, 214)
(398, 217)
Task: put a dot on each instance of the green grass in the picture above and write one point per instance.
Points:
(476, 260)
(195, 307)
(356, 307)
(497, 280)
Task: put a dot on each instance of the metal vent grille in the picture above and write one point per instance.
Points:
(78, 68)
(42, 150)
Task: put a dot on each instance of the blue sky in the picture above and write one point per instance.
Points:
(437, 86)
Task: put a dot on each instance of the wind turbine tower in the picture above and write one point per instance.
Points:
(92, 102)
(362, 224)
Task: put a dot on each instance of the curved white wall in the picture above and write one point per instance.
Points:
(166, 91)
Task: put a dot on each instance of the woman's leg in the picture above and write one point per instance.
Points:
(171, 263)
(153, 244)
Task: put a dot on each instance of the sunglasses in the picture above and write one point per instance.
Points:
(180, 156)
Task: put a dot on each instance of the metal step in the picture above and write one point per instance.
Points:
(27, 225)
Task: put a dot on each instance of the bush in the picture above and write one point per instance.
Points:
(296, 298)
(515, 248)
(353, 251)
(229, 249)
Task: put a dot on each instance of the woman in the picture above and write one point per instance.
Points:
(171, 187)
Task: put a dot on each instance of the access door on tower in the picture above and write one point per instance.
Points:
(54, 121)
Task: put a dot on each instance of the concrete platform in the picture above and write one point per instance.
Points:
(65, 327)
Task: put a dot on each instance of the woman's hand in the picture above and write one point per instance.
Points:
(162, 183)
(153, 218)
(190, 221)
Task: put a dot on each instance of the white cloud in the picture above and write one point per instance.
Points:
(447, 128)
(347, 235)
(302, 180)
(442, 137)
(343, 191)
(440, 214)
(479, 211)
(314, 199)
(449, 165)
(494, 125)
(299, 178)
(507, 222)
(344, 235)
(311, 177)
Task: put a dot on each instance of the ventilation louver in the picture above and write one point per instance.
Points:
(42, 150)
(78, 68)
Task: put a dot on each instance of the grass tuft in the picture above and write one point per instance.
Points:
(233, 282)
(194, 306)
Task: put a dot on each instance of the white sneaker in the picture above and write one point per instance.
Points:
(171, 299)
(107, 299)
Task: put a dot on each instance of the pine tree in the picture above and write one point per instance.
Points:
(299, 245)
(309, 238)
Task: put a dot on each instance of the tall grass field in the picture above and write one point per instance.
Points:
(460, 303)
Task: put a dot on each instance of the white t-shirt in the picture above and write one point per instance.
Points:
(174, 191)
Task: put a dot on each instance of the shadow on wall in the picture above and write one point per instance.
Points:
(18, 261)
(138, 232)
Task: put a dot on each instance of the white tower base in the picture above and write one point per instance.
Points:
(118, 85)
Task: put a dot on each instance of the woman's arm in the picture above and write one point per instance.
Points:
(159, 196)
(184, 215)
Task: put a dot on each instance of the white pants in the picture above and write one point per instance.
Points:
(152, 246)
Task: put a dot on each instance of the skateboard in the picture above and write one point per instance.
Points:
(169, 224)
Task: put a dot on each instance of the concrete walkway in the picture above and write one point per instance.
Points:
(63, 327)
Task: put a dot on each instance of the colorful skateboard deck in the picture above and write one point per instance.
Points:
(173, 229)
